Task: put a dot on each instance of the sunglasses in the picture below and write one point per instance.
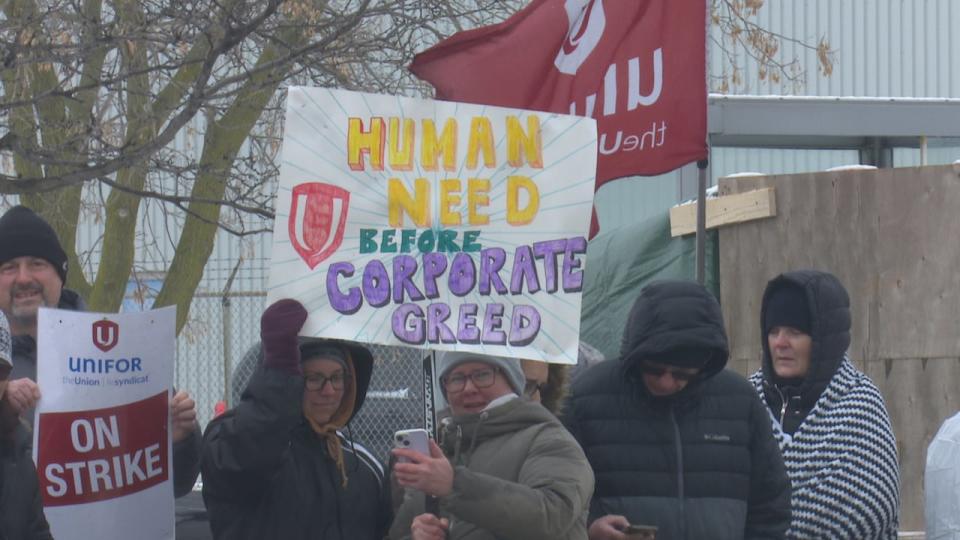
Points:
(659, 371)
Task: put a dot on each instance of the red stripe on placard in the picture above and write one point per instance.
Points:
(88, 456)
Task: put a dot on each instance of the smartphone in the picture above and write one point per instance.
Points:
(413, 439)
(641, 532)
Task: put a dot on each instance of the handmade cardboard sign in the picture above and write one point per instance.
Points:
(435, 224)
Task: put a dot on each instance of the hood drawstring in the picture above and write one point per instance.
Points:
(473, 437)
(353, 448)
(458, 458)
(456, 444)
(335, 449)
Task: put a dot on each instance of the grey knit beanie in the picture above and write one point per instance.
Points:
(448, 360)
(313, 348)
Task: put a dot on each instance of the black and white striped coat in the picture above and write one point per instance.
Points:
(842, 462)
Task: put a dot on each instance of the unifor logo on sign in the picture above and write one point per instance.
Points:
(318, 217)
(586, 21)
(105, 334)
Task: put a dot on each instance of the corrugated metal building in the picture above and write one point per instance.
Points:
(883, 48)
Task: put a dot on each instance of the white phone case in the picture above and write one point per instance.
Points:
(413, 439)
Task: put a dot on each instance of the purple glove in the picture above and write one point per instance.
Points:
(279, 326)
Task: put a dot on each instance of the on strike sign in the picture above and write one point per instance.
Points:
(102, 443)
(103, 454)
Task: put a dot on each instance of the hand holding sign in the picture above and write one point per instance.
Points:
(183, 416)
(23, 394)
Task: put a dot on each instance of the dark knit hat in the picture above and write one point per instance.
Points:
(787, 306)
(23, 233)
(325, 350)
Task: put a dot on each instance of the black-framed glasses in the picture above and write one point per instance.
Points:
(481, 378)
(317, 381)
(659, 371)
(533, 387)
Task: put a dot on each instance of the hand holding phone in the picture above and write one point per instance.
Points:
(412, 439)
(640, 532)
(431, 474)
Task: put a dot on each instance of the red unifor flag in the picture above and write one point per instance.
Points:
(637, 66)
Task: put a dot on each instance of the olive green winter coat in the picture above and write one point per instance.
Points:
(518, 475)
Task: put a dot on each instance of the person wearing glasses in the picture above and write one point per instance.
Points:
(544, 383)
(276, 465)
(548, 384)
(505, 469)
(675, 440)
(828, 416)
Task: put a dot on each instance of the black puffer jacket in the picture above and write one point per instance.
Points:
(699, 464)
(266, 474)
(21, 508)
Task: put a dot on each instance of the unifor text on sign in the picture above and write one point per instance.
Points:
(102, 439)
(434, 224)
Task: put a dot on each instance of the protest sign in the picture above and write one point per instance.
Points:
(102, 439)
(427, 223)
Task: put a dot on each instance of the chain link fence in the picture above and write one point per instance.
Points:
(221, 329)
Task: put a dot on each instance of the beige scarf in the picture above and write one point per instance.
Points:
(328, 431)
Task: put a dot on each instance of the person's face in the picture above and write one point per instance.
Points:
(663, 380)
(326, 382)
(478, 388)
(26, 283)
(536, 373)
(790, 351)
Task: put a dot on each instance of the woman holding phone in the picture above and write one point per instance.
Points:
(506, 468)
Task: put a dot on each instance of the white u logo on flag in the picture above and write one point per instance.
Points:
(586, 21)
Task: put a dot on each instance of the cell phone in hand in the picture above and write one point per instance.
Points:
(640, 532)
(412, 439)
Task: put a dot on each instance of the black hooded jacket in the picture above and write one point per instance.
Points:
(267, 474)
(790, 400)
(701, 463)
(21, 508)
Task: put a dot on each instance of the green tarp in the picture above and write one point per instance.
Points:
(621, 261)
